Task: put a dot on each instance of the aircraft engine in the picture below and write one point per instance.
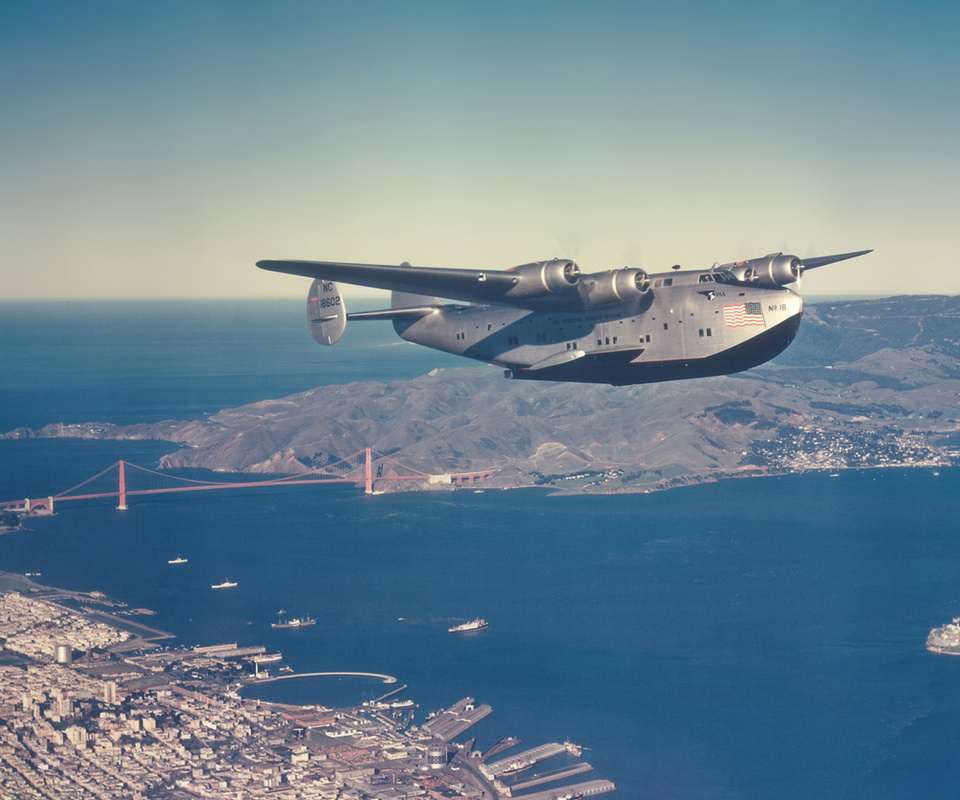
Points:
(558, 276)
(616, 285)
(772, 270)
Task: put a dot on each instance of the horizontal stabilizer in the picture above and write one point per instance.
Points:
(413, 312)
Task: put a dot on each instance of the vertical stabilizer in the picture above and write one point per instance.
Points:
(326, 315)
(407, 300)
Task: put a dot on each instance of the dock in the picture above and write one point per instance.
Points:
(455, 720)
(521, 761)
(577, 790)
(549, 777)
(504, 744)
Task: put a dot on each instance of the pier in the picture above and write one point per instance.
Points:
(577, 790)
(522, 760)
(548, 777)
(455, 720)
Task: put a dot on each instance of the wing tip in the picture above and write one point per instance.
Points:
(822, 261)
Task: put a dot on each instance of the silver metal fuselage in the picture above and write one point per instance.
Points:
(684, 327)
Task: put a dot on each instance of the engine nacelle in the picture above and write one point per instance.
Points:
(772, 270)
(615, 286)
(556, 277)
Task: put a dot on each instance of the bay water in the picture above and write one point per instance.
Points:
(745, 639)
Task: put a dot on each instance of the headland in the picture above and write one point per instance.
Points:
(870, 383)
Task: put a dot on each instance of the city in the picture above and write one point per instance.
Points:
(88, 709)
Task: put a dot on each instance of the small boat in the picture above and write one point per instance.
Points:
(225, 585)
(178, 560)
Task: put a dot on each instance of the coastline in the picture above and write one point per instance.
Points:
(311, 745)
(597, 479)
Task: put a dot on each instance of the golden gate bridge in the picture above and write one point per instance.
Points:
(124, 480)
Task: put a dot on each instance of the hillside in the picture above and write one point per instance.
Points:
(866, 383)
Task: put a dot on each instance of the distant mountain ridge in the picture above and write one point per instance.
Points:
(866, 383)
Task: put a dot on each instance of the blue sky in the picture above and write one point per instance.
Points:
(160, 149)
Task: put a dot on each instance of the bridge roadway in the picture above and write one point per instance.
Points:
(386, 678)
(358, 468)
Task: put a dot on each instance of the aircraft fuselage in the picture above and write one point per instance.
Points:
(687, 326)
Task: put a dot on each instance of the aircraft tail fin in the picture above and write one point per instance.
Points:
(326, 315)
(401, 300)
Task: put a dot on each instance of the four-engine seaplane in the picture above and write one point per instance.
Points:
(547, 321)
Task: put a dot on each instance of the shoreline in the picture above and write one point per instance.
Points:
(603, 483)
(143, 635)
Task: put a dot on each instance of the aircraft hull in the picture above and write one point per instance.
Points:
(618, 368)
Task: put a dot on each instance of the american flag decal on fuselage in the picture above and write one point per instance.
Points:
(743, 314)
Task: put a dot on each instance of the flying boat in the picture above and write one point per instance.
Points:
(548, 321)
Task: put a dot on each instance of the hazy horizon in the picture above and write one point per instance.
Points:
(160, 150)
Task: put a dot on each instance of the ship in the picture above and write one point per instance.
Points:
(467, 627)
(266, 658)
(296, 622)
(225, 585)
(945, 639)
(178, 560)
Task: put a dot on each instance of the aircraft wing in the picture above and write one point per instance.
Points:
(482, 286)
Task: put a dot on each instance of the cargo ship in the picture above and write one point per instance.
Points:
(296, 622)
(468, 627)
(225, 585)
(177, 560)
(266, 658)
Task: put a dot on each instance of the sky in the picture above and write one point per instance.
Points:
(155, 149)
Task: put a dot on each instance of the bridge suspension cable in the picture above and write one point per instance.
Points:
(366, 467)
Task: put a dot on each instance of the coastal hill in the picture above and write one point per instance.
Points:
(866, 383)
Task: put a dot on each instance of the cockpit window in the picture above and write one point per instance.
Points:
(706, 278)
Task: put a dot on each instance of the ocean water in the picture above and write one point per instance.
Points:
(746, 639)
(145, 361)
